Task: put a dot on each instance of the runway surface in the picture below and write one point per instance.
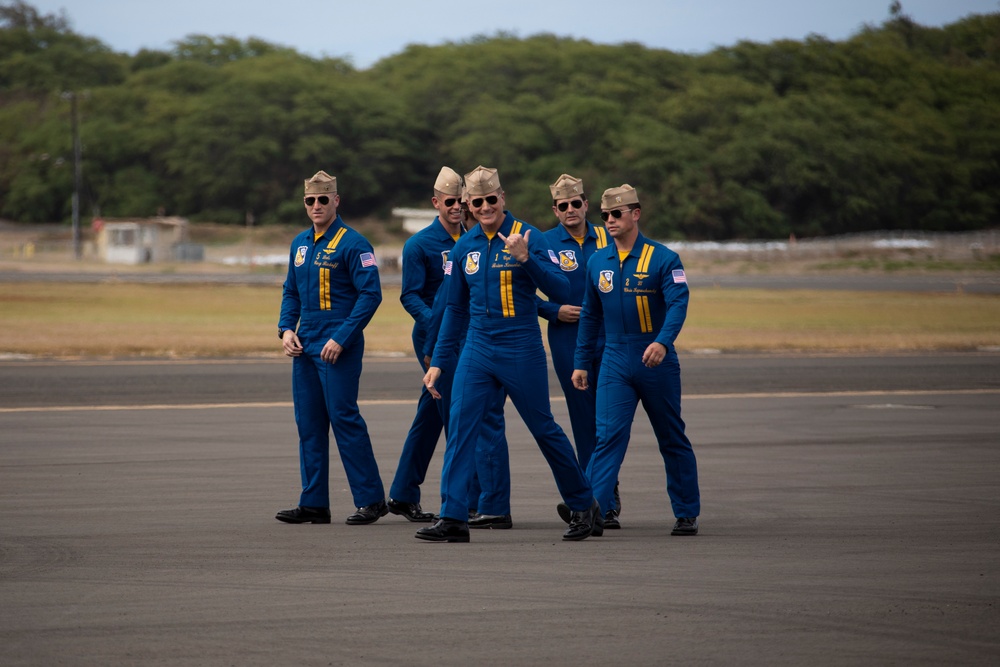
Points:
(851, 516)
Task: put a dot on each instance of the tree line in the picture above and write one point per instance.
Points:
(897, 127)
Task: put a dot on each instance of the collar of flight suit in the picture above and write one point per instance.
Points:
(591, 234)
(636, 251)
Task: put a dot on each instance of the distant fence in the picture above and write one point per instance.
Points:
(964, 246)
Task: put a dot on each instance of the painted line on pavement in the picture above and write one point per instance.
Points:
(553, 399)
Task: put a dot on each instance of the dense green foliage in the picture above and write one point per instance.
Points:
(895, 128)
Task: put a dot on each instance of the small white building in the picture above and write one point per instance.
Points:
(415, 219)
(143, 240)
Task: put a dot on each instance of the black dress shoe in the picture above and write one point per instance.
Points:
(368, 514)
(685, 526)
(304, 515)
(584, 524)
(498, 521)
(565, 513)
(445, 530)
(411, 511)
(611, 521)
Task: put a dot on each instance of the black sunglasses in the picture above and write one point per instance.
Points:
(577, 203)
(617, 213)
(323, 200)
(478, 201)
(450, 202)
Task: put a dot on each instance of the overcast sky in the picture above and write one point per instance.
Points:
(367, 30)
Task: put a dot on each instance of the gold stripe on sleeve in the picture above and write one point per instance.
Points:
(602, 237)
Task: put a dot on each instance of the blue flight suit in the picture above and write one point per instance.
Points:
(331, 292)
(503, 349)
(573, 257)
(489, 492)
(640, 300)
(425, 255)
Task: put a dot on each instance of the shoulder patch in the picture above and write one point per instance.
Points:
(606, 282)
(472, 263)
(567, 260)
(300, 255)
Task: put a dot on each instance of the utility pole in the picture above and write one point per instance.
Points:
(77, 180)
(77, 170)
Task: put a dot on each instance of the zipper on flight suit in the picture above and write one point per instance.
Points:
(621, 290)
(486, 276)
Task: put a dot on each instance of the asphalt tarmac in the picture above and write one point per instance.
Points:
(851, 516)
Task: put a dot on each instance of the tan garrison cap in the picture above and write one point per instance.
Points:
(448, 182)
(621, 196)
(566, 186)
(482, 181)
(321, 183)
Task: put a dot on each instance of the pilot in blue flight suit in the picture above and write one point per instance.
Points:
(575, 240)
(330, 294)
(425, 257)
(496, 269)
(638, 289)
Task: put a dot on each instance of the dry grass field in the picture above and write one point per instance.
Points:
(124, 319)
(107, 320)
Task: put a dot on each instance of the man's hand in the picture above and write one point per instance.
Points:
(654, 355)
(580, 379)
(290, 343)
(568, 313)
(430, 377)
(331, 351)
(517, 245)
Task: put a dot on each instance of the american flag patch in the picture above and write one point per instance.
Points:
(368, 259)
(679, 276)
(552, 256)
(447, 268)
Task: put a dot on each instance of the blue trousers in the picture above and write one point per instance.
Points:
(580, 404)
(431, 418)
(624, 382)
(509, 358)
(421, 440)
(326, 395)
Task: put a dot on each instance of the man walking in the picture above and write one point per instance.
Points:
(330, 294)
(496, 269)
(425, 256)
(574, 240)
(638, 289)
